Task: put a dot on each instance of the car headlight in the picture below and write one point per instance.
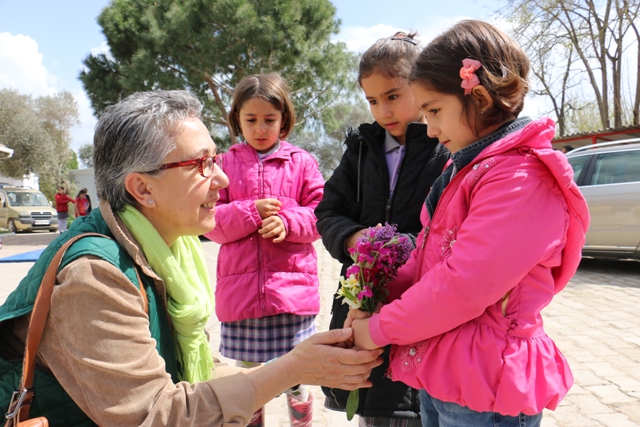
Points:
(24, 215)
(54, 216)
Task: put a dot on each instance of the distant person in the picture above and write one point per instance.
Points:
(267, 283)
(384, 176)
(567, 148)
(82, 203)
(89, 206)
(62, 207)
(504, 227)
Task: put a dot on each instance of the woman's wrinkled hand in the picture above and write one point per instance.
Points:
(319, 361)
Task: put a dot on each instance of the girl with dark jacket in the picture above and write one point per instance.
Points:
(384, 176)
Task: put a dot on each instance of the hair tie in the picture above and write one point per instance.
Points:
(468, 74)
(406, 39)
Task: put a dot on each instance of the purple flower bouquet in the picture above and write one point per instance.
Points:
(377, 257)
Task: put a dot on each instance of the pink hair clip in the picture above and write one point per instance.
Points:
(468, 74)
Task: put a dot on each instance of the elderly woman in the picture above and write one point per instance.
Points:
(115, 356)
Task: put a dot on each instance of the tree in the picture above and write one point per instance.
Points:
(207, 46)
(85, 153)
(38, 132)
(327, 146)
(575, 44)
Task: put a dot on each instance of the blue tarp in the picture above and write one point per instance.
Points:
(30, 256)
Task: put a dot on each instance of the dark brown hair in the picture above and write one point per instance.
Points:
(268, 87)
(503, 73)
(391, 56)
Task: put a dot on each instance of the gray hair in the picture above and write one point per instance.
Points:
(135, 135)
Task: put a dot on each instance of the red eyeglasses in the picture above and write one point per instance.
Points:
(205, 165)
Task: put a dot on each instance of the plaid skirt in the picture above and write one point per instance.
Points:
(266, 338)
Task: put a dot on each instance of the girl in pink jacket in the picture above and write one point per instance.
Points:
(267, 290)
(503, 231)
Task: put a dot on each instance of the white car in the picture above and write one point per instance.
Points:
(608, 175)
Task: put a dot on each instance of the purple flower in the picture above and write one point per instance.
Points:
(403, 249)
(352, 269)
(366, 292)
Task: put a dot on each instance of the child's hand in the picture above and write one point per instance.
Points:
(273, 227)
(354, 314)
(350, 242)
(268, 207)
(361, 336)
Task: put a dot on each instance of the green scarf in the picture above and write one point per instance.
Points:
(190, 298)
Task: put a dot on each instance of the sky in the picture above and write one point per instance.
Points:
(43, 42)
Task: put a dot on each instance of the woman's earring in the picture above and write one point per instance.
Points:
(149, 202)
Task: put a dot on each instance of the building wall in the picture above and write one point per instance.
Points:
(30, 181)
(84, 178)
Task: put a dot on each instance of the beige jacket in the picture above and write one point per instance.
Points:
(98, 345)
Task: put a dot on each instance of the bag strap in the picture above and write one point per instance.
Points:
(22, 398)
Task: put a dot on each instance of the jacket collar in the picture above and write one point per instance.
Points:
(416, 133)
(247, 152)
(468, 154)
(535, 135)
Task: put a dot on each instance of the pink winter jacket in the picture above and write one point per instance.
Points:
(256, 277)
(506, 236)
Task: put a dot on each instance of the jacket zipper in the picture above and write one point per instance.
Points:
(424, 241)
(444, 200)
(261, 296)
(387, 211)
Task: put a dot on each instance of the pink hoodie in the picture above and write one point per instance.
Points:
(256, 277)
(506, 237)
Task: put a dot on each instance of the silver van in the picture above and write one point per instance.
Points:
(608, 175)
(26, 209)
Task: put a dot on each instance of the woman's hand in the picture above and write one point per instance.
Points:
(268, 207)
(318, 361)
(273, 227)
(315, 361)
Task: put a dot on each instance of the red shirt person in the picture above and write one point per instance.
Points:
(62, 207)
(82, 203)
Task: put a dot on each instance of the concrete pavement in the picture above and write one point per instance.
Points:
(594, 322)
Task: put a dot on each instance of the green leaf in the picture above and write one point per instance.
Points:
(352, 403)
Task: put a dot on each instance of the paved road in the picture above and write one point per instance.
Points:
(594, 321)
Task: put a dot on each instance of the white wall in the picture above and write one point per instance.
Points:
(30, 180)
(84, 178)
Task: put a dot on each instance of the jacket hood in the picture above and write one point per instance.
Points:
(535, 139)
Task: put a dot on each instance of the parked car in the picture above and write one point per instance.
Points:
(608, 175)
(26, 209)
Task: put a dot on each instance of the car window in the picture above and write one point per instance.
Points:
(617, 168)
(27, 199)
(12, 198)
(577, 163)
(38, 199)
